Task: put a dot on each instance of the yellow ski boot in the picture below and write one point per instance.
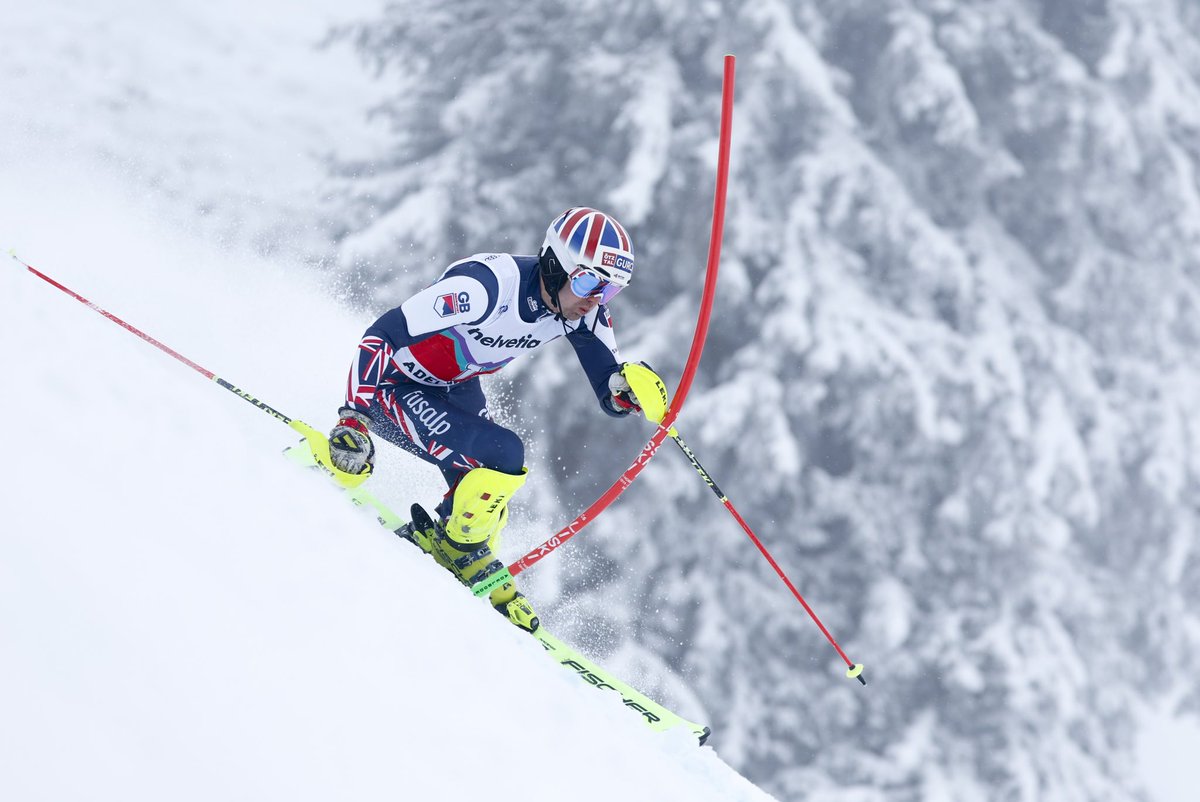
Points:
(466, 545)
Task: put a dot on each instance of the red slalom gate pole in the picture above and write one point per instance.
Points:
(685, 383)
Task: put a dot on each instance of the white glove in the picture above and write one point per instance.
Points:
(623, 401)
(653, 400)
(350, 446)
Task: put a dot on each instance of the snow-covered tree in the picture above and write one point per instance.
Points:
(951, 375)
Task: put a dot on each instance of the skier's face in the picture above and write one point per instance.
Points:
(573, 307)
(570, 305)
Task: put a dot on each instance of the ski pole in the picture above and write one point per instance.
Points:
(316, 441)
(854, 670)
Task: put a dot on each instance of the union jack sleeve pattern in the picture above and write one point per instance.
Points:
(370, 370)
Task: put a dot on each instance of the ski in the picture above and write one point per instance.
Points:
(302, 455)
(653, 714)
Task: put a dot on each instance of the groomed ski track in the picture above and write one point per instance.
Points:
(184, 615)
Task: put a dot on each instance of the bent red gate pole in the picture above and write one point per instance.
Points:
(710, 286)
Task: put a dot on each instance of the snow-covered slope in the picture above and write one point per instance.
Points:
(222, 114)
(959, 275)
(184, 615)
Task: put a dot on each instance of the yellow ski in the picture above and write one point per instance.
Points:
(655, 715)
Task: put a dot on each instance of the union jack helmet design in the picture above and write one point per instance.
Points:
(587, 238)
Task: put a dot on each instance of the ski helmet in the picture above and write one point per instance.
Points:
(591, 249)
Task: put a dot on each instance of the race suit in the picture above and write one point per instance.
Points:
(417, 371)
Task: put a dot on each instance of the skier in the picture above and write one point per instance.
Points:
(415, 381)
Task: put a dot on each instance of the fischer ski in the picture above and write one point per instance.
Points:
(305, 454)
(301, 454)
(653, 714)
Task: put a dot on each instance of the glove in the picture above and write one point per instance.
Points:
(350, 446)
(622, 400)
(633, 379)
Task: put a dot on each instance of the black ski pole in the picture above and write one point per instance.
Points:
(316, 441)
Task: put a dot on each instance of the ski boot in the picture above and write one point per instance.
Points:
(466, 544)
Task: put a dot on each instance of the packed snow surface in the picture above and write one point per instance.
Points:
(185, 615)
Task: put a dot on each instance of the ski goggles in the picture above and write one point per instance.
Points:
(585, 283)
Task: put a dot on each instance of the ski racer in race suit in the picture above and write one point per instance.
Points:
(415, 380)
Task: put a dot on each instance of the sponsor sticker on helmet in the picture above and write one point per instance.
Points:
(616, 261)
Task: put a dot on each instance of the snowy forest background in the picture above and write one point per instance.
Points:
(952, 369)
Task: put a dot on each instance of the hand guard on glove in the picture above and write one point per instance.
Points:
(624, 399)
(350, 446)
